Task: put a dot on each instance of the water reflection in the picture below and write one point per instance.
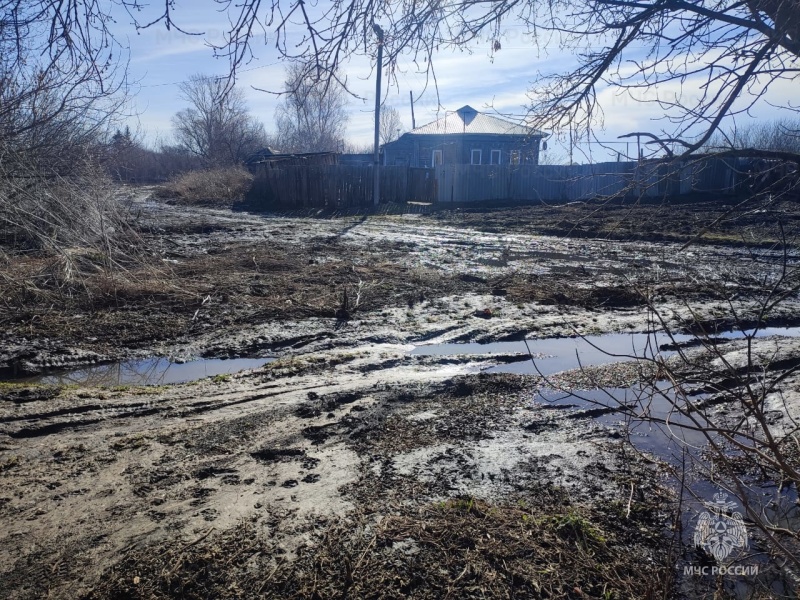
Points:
(553, 355)
(655, 419)
(149, 371)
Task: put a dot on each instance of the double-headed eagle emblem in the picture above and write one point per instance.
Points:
(720, 530)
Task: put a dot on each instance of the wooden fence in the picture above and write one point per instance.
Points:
(347, 186)
(339, 186)
(562, 183)
(473, 183)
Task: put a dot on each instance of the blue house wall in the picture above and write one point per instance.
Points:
(416, 150)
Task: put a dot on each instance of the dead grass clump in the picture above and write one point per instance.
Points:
(46, 212)
(459, 548)
(84, 278)
(67, 242)
(77, 295)
(211, 187)
(467, 548)
(229, 564)
(551, 290)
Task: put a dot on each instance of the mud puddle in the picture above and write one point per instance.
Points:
(553, 355)
(666, 441)
(674, 441)
(149, 371)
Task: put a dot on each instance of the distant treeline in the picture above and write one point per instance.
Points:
(128, 161)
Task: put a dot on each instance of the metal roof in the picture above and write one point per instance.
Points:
(468, 120)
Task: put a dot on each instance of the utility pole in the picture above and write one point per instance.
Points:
(570, 144)
(376, 177)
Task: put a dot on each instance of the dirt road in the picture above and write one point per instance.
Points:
(352, 464)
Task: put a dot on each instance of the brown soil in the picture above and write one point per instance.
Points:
(696, 219)
(223, 272)
(350, 467)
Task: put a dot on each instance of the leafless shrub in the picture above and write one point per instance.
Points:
(726, 401)
(53, 213)
(58, 95)
(220, 187)
(68, 238)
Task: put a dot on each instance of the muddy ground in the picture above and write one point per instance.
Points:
(350, 467)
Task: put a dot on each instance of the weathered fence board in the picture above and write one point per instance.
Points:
(351, 186)
(468, 183)
(338, 186)
(421, 185)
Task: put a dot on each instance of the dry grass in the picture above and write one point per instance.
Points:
(49, 213)
(213, 187)
(577, 289)
(69, 242)
(235, 283)
(81, 278)
(459, 548)
(288, 281)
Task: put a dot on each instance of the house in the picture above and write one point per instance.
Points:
(268, 158)
(465, 136)
(359, 160)
(259, 156)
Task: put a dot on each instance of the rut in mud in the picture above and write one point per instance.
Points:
(355, 459)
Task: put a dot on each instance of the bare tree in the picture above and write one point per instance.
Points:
(217, 126)
(782, 135)
(312, 116)
(58, 95)
(703, 63)
(738, 50)
(54, 107)
(390, 124)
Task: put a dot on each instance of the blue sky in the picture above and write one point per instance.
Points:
(160, 60)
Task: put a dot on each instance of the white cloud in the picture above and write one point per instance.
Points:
(161, 60)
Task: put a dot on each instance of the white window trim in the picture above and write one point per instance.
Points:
(516, 157)
(499, 156)
(433, 157)
(472, 156)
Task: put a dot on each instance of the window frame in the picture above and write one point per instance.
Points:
(492, 154)
(472, 156)
(433, 157)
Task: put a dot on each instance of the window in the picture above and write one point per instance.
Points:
(494, 159)
(436, 159)
(515, 157)
(475, 158)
